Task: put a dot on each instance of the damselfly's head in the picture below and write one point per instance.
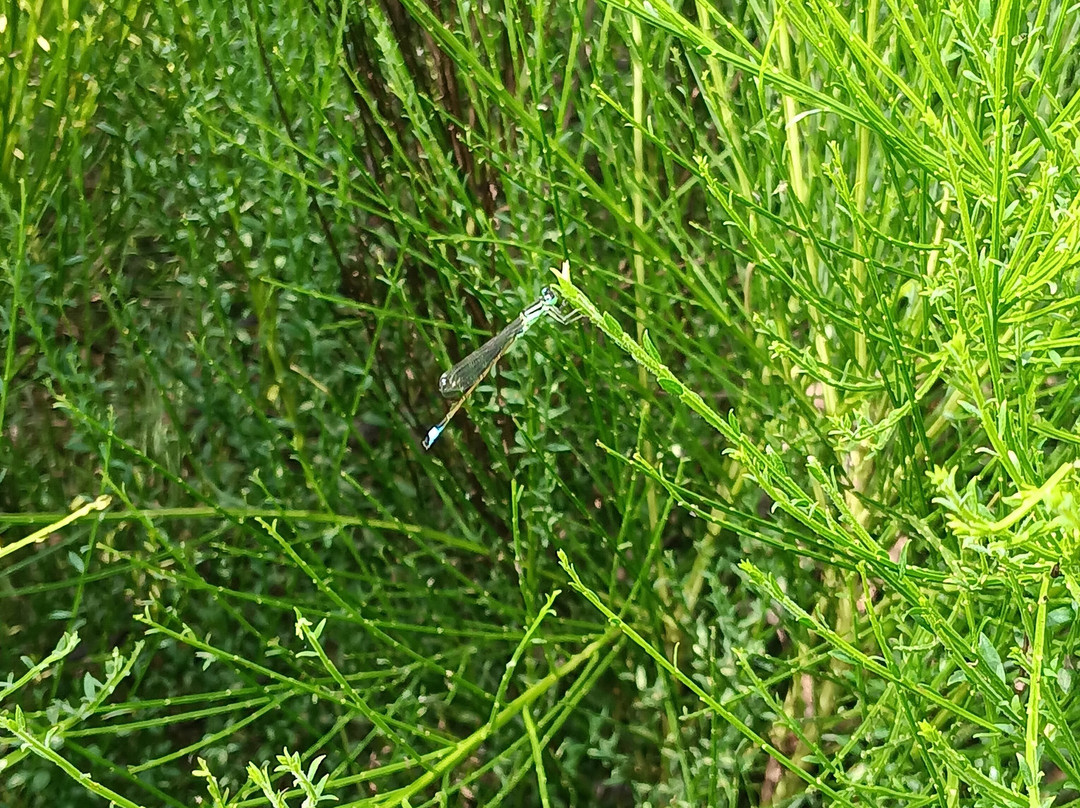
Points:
(548, 296)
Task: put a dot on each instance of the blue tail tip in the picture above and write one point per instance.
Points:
(432, 436)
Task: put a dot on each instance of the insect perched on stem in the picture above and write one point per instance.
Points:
(464, 377)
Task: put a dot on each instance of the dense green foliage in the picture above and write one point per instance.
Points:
(789, 517)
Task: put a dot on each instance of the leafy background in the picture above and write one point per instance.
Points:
(789, 518)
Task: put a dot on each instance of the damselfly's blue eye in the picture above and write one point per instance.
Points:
(547, 295)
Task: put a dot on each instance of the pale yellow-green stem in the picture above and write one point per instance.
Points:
(1031, 734)
(801, 189)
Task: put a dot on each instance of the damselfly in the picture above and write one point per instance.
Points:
(464, 377)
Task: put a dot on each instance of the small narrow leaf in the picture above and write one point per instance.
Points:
(90, 686)
(650, 348)
(671, 386)
(989, 655)
(611, 325)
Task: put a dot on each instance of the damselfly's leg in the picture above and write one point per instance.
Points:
(565, 317)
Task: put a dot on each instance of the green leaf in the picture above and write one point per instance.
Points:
(611, 325)
(1064, 680)
(650, 348)
(90, 686)
(989, 655)
(1059, 616)
(671, 386)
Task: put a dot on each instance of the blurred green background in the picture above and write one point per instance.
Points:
(827, 254)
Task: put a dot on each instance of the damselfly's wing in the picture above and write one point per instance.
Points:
(476, 365)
